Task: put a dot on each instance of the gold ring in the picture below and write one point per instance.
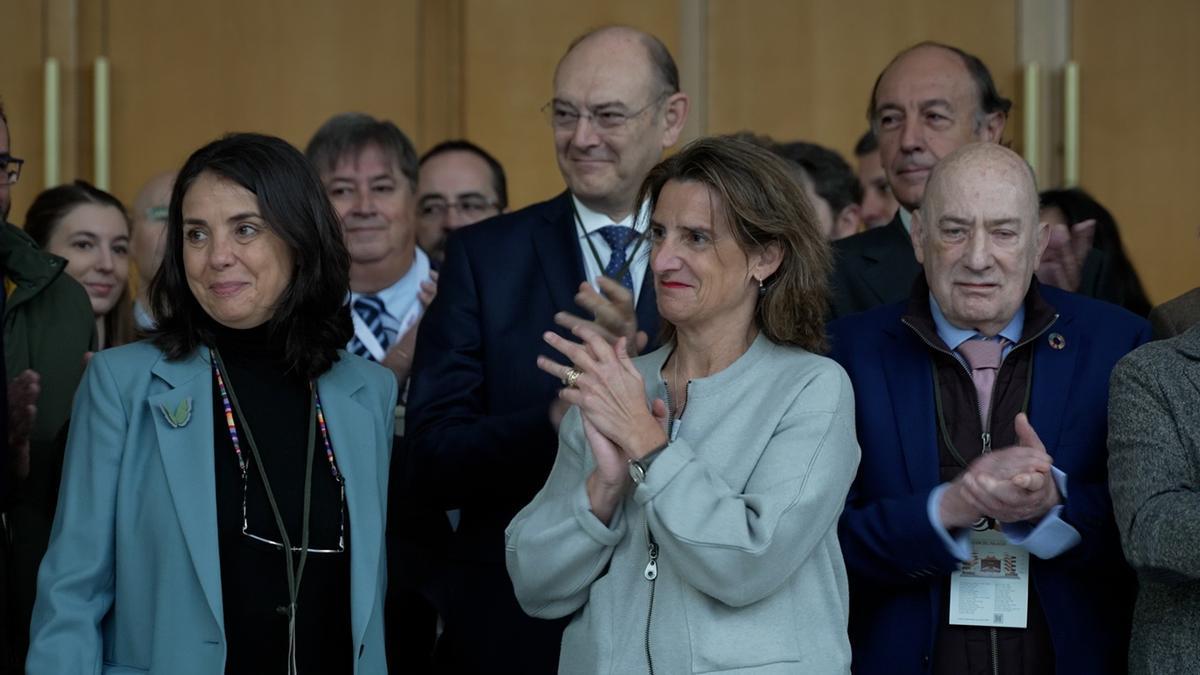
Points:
(569, 377)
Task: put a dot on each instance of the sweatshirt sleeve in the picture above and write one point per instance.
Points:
(555, 547)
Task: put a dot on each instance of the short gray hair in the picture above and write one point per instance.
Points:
(349, 133)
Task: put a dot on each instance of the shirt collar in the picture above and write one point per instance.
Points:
(954, 336)
(406, 288)
(594, 220)
(906, 219)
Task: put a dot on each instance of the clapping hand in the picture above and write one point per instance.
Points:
(614, 312)
(23, 393)
(400, 355)
(1010, 485)
(1062, 262)
(611, 396)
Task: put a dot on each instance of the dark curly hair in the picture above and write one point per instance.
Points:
(311, 313)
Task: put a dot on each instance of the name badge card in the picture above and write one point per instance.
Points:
(992, 588)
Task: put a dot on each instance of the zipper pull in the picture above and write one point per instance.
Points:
(987, 442)
(651, 571)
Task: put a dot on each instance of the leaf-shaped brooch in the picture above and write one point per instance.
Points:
(182, 414)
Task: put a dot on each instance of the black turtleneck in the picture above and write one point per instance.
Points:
(277, 406)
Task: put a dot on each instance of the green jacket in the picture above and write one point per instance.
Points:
(48, 326)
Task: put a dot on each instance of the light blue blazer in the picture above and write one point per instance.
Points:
(131, 582)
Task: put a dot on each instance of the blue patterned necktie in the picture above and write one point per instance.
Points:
(370, 308)
(618, 238)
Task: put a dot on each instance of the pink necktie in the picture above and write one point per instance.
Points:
(983, 355)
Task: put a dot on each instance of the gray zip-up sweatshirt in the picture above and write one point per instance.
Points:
(742, 506)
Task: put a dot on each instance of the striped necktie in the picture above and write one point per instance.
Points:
(370, 308)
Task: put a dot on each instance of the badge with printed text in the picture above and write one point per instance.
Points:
(992, 587)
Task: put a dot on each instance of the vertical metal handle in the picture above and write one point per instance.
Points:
(50, 130)
(1033, 135)
(100, 103)
(1071, 124)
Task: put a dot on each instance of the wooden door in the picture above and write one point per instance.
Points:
(21, 90)
(1139, 73)
(804, 70)
(184, 73)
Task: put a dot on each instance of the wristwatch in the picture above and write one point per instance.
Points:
(639, 467)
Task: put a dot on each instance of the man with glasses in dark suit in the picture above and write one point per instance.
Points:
(482, 417)
(459, 184)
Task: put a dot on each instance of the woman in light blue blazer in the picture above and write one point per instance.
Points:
(223, 493)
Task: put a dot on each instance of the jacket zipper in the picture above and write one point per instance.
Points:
(651, 571)
(651, 574)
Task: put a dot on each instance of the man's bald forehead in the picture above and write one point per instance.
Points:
(988, 98)
(152, 187)
(657, 57)
(972, 157)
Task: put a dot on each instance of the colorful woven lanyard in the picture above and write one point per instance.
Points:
(316, 419)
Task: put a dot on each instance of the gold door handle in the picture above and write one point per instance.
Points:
(100, 131)
(1071, 124)
(50, 129)
(1032, 114)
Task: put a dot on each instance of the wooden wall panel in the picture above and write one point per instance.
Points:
(1139, 140)
(184, 73)
(21, 91)
(512, 47)
(804, 70)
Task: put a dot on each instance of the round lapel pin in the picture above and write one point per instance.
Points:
(1057, 341)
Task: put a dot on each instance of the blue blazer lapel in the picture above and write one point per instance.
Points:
(647, 312)
(187, 457)
(910, 389)
(893, 266)
(556, 241)
(352, 431)
(1053, 371)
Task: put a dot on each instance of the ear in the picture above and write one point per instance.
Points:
(918, 235)
(993, 127)
(848, 222)
(1042, 232)
(676, 116)
(766, 261)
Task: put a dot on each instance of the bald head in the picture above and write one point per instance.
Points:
(978, 237)
(616, 108)
(149, 223)
(1009, 169)
(664, 72)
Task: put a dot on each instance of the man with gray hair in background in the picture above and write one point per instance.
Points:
(930, 100)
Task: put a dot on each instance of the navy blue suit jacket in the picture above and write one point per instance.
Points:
(897, 562)
(478, 429)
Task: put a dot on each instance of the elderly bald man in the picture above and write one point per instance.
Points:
(979, 534)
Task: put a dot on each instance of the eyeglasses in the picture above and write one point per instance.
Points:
(10, 169)
(565, 117)
(471, 208)
(341, 542)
